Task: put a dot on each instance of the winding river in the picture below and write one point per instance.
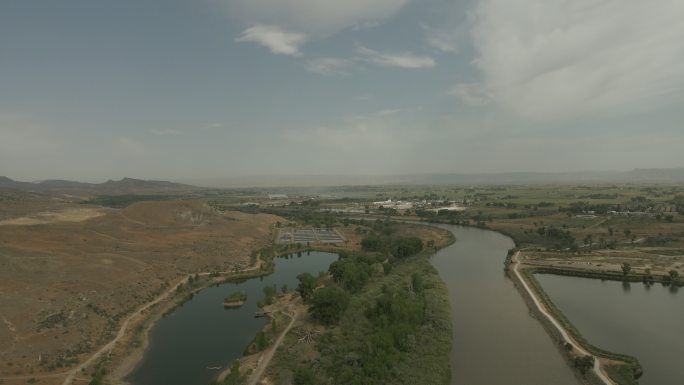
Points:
(495, 340)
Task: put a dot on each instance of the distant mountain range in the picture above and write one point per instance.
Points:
(139, 186)
(110, 187)
(669, 175)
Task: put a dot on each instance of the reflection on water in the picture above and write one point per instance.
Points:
(495, 340)
(645, 321)
(202, 333)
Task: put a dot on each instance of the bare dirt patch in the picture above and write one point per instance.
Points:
(66, 215)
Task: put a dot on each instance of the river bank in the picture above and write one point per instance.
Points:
(127, 356)
(570, 344)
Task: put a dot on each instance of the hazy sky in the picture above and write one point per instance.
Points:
(191, 89)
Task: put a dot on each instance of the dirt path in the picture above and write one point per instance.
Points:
(566, 337)
(124, 327)
(265, 359)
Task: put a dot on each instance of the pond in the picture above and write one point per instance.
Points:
(202, 334)
(644, 321)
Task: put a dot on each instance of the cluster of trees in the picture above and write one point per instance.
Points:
(352, 272)
(678, 202)
(562, 239)
(399, 247)
(328, 304)
(387, 330)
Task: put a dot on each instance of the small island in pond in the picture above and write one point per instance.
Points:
(236, 299)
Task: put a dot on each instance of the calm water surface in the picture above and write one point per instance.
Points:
(631, 318)
(495, 341)
(202, 333)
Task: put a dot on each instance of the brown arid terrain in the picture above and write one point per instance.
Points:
(70, 276)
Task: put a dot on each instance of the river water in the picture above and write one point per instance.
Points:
(203, 334)
(495, 341)
(630, 318)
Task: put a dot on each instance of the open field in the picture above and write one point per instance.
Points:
(66, 285)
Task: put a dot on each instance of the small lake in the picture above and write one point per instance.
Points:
(630, 318)
(495, 340)
(203, 334)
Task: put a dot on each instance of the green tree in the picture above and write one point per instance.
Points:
(674, 274)
(351, 272)
(626, 268)
(261, 341)
(307, 284)
(233, 377)
(304, 376)
(328, 304)
(407, 246)
(584, 363)
(371, 243)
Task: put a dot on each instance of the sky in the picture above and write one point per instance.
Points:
(187, 90)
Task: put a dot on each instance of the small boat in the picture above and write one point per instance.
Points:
(261, 314)
(214, 367)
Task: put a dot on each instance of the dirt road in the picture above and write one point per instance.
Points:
(124, 327)
(265, 359)
(566, 337)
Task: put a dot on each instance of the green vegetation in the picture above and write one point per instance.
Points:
(384, 240)
(396, 330)
(621, 374)
(269, 294)
(304, 376)
(328, 304)
(584, 363)
(307, 284)
(386, 316)
(352, 272)
(235, 299)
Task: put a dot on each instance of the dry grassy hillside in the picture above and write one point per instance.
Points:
(64, 286)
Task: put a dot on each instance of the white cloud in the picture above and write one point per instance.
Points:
(558, 58)
(401, 59)
(330, 66)
(274, 38)
(471, 93)
(316, 18)
(441, 39)
(164, 132)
